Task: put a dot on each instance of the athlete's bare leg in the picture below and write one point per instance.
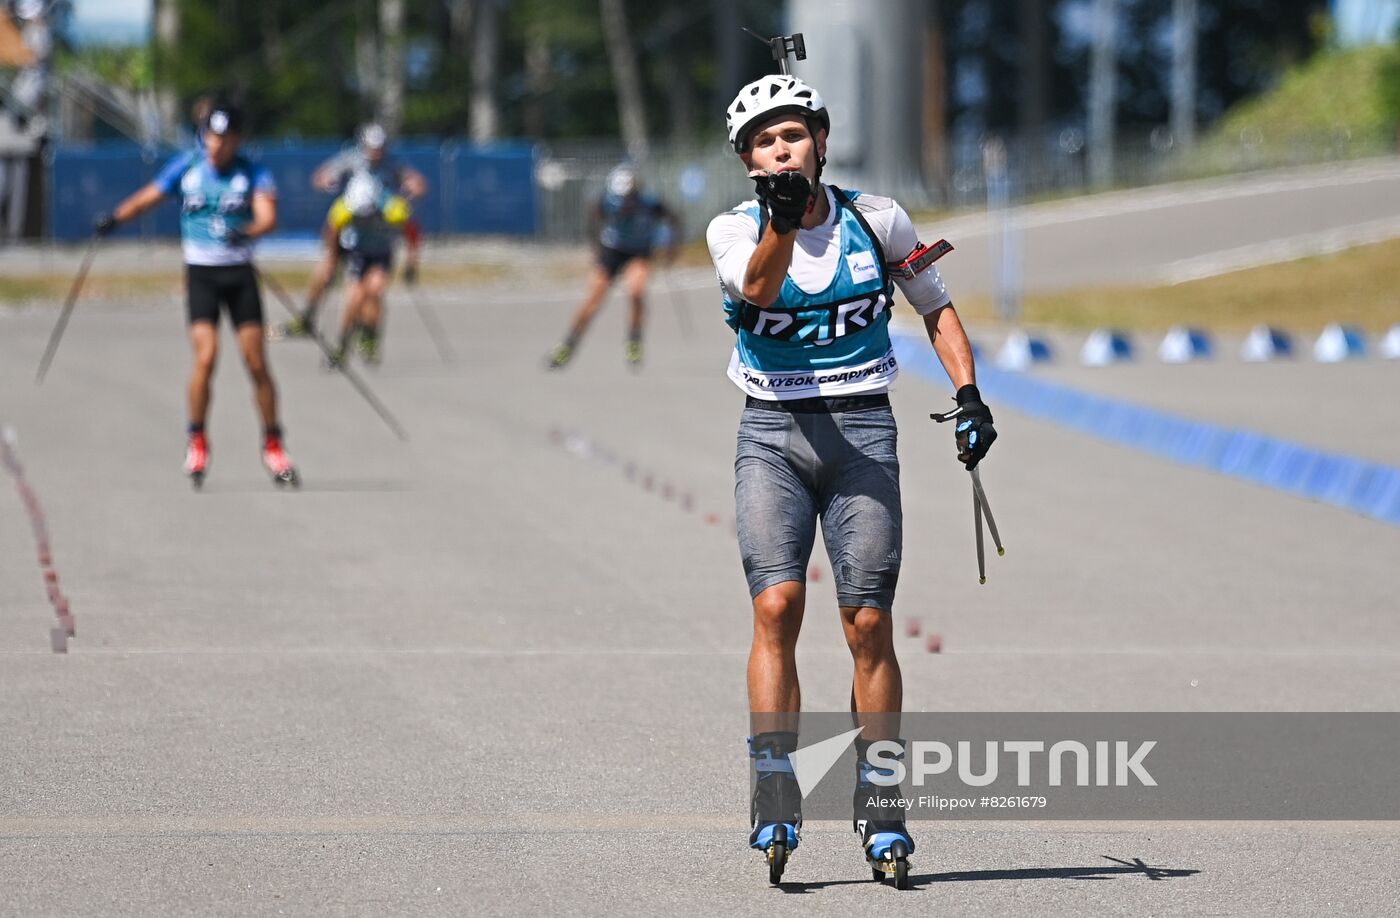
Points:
(598, 284)
(251, 343)
(373, 285)
(324, 271)
(777, 619)
(204, 341)
(636, 278)
(877, 687)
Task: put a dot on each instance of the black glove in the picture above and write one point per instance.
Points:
(237, 237)
(410, 275)
(103, 224)
(974, 432)
(786, 196)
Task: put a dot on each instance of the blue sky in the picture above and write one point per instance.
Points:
(111, 21)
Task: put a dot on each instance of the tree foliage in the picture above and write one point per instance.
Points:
(308, 68)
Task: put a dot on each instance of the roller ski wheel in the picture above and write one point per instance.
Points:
(288, 479)
(777, 843)
(279, 465)
(889, 857)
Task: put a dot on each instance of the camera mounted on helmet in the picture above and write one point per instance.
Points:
(773, 95)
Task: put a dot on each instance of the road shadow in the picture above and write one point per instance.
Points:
(1119, 868)
(311, 486)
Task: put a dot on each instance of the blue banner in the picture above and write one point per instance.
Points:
(472, 190)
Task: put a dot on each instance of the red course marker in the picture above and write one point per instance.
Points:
(934, 643)
(912, 627)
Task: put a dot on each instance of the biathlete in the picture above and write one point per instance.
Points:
(366, 222)
(624, 226)
(227, 202)
(370, 156)
(808, 272)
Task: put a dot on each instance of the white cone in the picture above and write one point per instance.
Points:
(1390, 344)
(1021, 350)
(1337, 343)
(1264, 343)
(1105, 346)
(1183, 345)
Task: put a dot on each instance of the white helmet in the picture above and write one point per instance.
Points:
(775, 94)
(29, 9)
(373, 137)
(622, 181)
(362, 194)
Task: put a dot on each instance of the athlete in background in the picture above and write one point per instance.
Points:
(366, 221)
(625, 226)
(226, 203)
(370, 156)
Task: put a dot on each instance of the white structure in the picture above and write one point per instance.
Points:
(1265, 343)
(1183, 345)
(1106, 346)
(1020, 351)
(1339, 342)
(1390, 345)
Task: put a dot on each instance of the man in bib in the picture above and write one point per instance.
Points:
(808, 273)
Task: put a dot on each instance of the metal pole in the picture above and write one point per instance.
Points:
(1103, 80)
(1183, 115)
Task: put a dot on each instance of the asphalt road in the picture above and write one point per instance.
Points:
(499, 669)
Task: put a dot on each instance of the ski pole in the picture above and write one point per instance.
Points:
(977, 528)
(986, 509)
(430, 320)
(980, 507)
(57, 335)
(360, 385)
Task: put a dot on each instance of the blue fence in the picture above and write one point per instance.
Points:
(473, 190)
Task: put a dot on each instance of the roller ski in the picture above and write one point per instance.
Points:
(884, 838)
(776, 809)
(559, 357)
(197, 459)
(302, 326)
(368, 346)
(337, 357)
(279, 464)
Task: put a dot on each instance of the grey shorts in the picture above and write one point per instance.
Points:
(794, 468)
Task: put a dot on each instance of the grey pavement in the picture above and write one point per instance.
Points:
(500, 669)
(1181, 231)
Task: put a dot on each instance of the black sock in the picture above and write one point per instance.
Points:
(272, 432)
(196, 428)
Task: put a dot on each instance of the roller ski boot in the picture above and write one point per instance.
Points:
(279, 464)
(880, 824)
(197, 459)
(776, 808)
(368, 346)
(633, 354)
(559, 357)
(335, 360)
(300, 326)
